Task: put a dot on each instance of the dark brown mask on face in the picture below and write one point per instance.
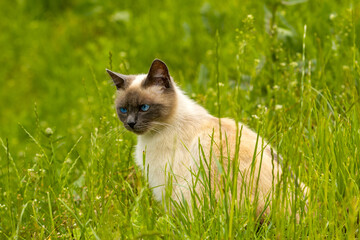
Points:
(146, 106)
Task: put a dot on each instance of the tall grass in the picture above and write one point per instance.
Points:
(66, 163)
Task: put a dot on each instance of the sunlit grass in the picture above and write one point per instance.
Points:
(66, 163)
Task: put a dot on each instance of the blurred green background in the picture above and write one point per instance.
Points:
(52, 50)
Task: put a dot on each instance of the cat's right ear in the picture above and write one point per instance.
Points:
(158, 75)
(118, 79)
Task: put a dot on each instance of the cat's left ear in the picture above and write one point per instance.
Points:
(158, 75)
(118, 79)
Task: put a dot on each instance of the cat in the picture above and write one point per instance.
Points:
(175, 134)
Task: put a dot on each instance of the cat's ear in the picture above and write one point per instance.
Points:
(158, 75)
(118, 79)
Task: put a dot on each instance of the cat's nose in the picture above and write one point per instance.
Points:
(131, 124)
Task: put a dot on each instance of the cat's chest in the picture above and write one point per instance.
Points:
(156, 152)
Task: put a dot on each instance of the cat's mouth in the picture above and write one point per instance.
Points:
(137, 130)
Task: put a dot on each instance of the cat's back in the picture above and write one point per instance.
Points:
(227, 136)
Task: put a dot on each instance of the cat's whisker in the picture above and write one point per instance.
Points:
(156, 130)
(164, 125)
(114, 131)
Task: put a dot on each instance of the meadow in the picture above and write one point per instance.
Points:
(288, 69)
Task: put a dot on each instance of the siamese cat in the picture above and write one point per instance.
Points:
(174, 134)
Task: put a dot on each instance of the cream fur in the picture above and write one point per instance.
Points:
(174, 148)
(138, 80)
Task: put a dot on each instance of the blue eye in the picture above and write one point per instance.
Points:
(144, 107)
(123, 110)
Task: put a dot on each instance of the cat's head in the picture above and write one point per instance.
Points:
(145, 102)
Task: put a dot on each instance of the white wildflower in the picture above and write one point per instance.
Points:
(332, 16)
(49, 131)
(278, 107)
(250, 17)
(294, 64)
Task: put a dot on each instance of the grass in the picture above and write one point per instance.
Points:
(66, 163)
